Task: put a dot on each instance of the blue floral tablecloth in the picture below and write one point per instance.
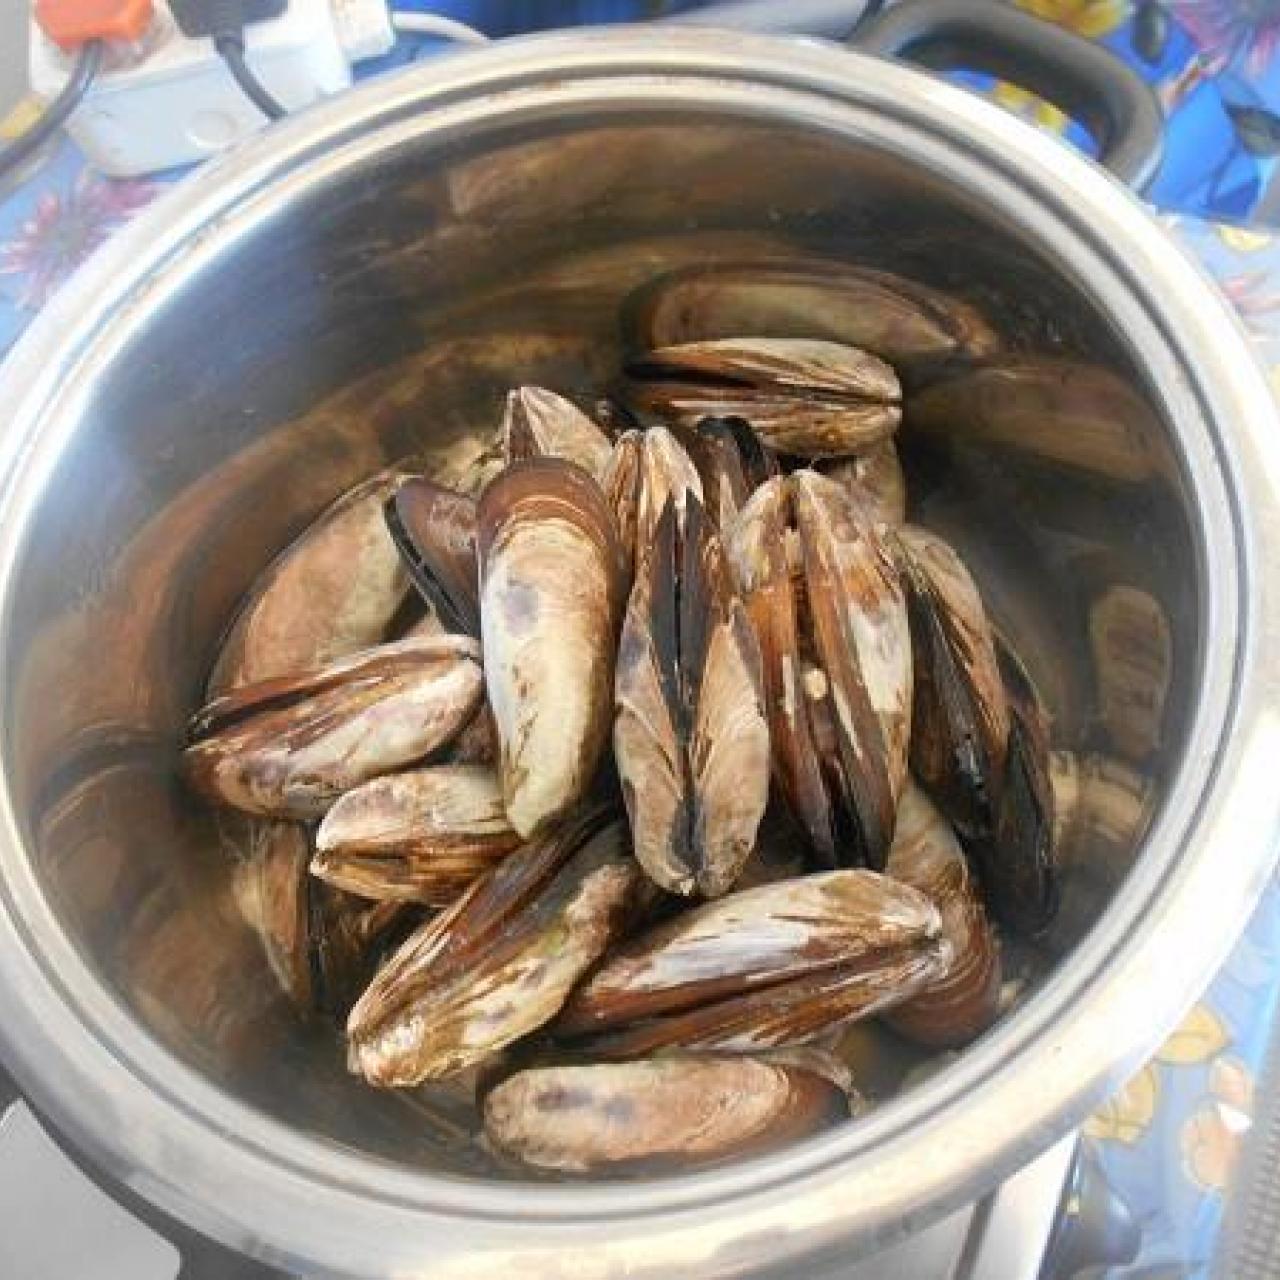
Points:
(1168, 1142)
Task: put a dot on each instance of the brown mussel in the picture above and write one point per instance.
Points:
(808, 398)
(420, 836)
(663, 1113)
(732, 464)
(333, 590)
(1016, 863)
(542, 424)
(550, 605)
(964, 1000)
(1132, 646)
(499, 963)
(318, 942)
(1048, 410)
(898, 319)
(777, 965)
(690, 735)
(434, 529)
(875, 480)
(288, 747)
(828, 608)
(959, 717)
(1101, 806)
(647, 469)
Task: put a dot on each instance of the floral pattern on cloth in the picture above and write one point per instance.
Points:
(1168, 1142)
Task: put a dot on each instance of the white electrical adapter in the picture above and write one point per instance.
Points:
(170, 100)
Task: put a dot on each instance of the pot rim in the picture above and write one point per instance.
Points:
(174, 1137)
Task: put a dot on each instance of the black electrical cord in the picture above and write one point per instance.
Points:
(231, 50)
(57, 112)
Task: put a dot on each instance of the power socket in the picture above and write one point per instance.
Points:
(169, 99)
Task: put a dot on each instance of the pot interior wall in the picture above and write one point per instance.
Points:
(384, 316)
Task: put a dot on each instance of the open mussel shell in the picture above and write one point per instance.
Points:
(775, 965)
(420, 836)
(964, 1000)
(434, 530)
(960, 717)
(551, 597)
(875, 481)
(828, 608)
(499, 963)
(539, 423)
(898, 319)
(288, 747)
(666, 1113)
(690, 735)
(332, 591)
(1056, 411)
(808, 398)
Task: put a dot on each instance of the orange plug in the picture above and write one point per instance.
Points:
(69, 23)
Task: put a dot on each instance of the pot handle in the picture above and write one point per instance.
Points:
(1090, 84)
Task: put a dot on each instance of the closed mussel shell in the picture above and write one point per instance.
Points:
(809, 398)
(964, 1000)
(779, 964)
(551, 584)
(539, 423)
(419, 836)
(288, 747)
(897, 318)
(434, 529)
(1017, 864)
(647, 1116)
(332, 591)
(499, 963)
(960, 716)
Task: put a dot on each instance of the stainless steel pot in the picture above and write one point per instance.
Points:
(364, 281)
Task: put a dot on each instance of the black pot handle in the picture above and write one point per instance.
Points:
(1090, 84)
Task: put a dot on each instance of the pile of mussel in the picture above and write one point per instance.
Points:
(616, 786)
